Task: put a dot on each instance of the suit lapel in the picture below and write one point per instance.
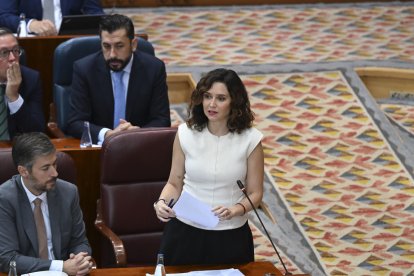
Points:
(37, 6)
(63, 7)
(27, 216)
(54, 218)
(106, 94)
(134, 88)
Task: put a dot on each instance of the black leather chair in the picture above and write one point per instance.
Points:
(64, 57)
(135, 165)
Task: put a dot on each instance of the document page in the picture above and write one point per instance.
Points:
(192, 209)
(221, 272)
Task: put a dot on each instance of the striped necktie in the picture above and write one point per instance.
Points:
(4, 134)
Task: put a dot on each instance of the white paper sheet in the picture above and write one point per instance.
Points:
(190, 208)
(222, 272)
(46, 273)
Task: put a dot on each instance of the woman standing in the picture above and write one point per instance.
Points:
(215, 147)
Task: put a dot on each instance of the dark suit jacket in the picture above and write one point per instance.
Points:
(10, 10)
(18, 238)
(92, 96)
(30, 115)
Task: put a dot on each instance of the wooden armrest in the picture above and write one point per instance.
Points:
(267, 211)
(52, 127)
(117, 244)
(54, 131)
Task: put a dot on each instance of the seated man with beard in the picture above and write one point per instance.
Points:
(119, 87)
(41, 221)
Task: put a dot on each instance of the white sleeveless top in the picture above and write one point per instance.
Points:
(213, 164)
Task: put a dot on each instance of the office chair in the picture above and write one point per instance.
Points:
(135, 166)
(64, 57)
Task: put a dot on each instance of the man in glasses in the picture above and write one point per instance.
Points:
(20, 91)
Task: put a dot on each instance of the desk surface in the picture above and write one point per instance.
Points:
(250, 269)
(254, 268)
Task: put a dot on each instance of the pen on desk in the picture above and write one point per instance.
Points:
(171, 202)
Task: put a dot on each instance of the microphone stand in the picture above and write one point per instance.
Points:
(241, 186)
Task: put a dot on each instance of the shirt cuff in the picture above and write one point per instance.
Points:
(15, 106)
(28, 25)
(101, 136)
(56, 265)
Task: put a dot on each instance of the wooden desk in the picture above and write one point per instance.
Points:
(253, 269)
(87, 163)
(250, 269)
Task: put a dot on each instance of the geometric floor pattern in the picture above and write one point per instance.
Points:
(401, 114)
(263, 251)
(345, 186)
(258, 35)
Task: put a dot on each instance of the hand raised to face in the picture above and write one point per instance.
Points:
(14, 79)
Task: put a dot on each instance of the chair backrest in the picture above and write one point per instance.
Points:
(135, 166)
(64, 57)
(65, 166)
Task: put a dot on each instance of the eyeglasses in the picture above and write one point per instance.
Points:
(5, 53)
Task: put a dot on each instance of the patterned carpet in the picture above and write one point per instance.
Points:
(254, 35)
(344, 184)
(402, 114)
(339, 176)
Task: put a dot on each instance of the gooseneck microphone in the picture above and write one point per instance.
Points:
(241, 186)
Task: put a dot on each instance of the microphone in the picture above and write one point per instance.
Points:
(241, 186)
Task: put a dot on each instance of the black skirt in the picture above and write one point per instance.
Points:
(183, 244)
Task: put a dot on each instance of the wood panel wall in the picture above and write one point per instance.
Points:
(166, 3)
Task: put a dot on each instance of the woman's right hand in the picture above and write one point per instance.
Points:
(164, 213)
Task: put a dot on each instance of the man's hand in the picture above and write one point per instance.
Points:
(123, 125)
(14, 79)
(78, 265)
(43, 27)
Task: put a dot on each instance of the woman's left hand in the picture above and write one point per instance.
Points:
(223, 213)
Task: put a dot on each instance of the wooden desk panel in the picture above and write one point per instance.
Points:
(253, 269)
(250, 269)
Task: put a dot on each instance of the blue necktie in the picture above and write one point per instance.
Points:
(119, 97)
(4, 134)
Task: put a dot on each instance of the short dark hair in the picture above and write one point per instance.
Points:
(241, 116)
(28, 146)
(114, 22)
